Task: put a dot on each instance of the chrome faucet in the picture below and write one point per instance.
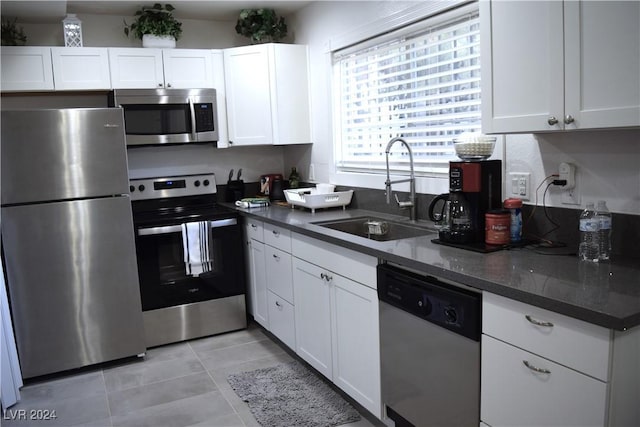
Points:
(412, 181)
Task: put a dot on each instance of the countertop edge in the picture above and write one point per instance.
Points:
(590, 316)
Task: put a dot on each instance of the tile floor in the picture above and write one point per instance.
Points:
(183, 384)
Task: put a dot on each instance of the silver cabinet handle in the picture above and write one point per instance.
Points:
(326, 277)
(568, 119)
(276, 233)
(538, 322)
(159, 84)
(552, 120)
(535, 369)
(276, 256)
(278, 304)
(254, 226)
(168, 84)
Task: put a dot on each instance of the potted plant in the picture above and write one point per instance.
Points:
(261, 25)
(12, 35)
(155, 26)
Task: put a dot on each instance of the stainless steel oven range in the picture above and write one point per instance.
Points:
(190, 259)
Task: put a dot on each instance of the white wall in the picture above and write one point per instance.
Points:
(607, 165)
(608, 162)
(108, 31)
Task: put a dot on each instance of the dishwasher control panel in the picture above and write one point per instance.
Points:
(450, 307)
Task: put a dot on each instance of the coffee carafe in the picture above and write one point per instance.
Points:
(454, 221)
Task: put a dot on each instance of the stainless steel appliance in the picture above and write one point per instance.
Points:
(430, 349)
(167, 116)
(185, 297)
(67, 239)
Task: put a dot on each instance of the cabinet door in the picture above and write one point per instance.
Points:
(312, 315)
(602, 63)
(514, 394)
(281, 320)
(356, 342)
(80, 68)
(279, 278)
(136, 68)
(248, 93)
(258, 284)
(522, 66)
(188, 68)
(26, 68)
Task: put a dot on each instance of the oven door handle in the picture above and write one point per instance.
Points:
(178, 229)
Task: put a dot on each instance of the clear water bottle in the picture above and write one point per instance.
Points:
(603, 216)
(589, 249)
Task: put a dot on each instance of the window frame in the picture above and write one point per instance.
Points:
(426, 182)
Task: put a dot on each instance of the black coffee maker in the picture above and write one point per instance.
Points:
(474, 189)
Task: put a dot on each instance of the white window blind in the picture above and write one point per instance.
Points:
(423, 86)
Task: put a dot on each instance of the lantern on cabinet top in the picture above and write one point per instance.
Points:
(72, 27)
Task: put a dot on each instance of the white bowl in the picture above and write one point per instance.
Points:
(325, 188)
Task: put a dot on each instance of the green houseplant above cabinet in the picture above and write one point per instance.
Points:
(267, 89)
(146, 68)
(551, 65)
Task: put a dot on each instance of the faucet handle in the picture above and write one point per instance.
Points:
(403, 205)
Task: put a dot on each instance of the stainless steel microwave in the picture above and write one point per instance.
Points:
(167, 116)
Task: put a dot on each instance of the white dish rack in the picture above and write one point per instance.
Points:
(311, 199)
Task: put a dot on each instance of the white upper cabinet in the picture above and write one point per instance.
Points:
(550, 65)
(144, 68)
(26, 68)
(78, 68)
(267, 89)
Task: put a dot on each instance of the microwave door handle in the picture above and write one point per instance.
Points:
(168, 229)
(192, 109)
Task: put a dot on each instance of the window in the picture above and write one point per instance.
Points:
(421, 83)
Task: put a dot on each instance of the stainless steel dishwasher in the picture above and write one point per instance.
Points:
(430, 349)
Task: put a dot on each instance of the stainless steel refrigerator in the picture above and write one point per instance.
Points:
(67, 238)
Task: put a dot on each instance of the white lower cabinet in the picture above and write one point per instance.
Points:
(543, 393)
(541, 368)
(258, 283)
(281, 319)
(336, 317)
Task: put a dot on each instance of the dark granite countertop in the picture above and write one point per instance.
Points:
(606, 294)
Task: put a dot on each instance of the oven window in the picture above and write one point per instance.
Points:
(157, 119)
(164, 281)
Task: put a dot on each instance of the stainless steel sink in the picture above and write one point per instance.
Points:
(374, 228)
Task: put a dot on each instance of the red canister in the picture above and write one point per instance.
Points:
(497, 227)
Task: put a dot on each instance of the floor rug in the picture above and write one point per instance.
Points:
(289, 395)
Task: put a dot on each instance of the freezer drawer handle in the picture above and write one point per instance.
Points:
(538, 322)
(177, 229)
(535, 369)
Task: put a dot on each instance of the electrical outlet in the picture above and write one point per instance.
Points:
(570, 191)
(518, 185)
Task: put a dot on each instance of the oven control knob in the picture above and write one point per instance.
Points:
(197, 183)
(451, 315)
(141, 187)
(205, 182)
(132, 188)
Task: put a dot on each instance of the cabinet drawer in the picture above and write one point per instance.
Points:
(279, 279)
(570, 342)
(277, 237)
(513, 394)
(281, 320)
(254, 229)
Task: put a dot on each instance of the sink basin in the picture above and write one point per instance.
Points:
(376, 228)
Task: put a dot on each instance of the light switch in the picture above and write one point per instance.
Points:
(519, 185)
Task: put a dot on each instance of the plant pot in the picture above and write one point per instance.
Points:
(162, 42)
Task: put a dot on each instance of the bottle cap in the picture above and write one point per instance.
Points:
(512, 203)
